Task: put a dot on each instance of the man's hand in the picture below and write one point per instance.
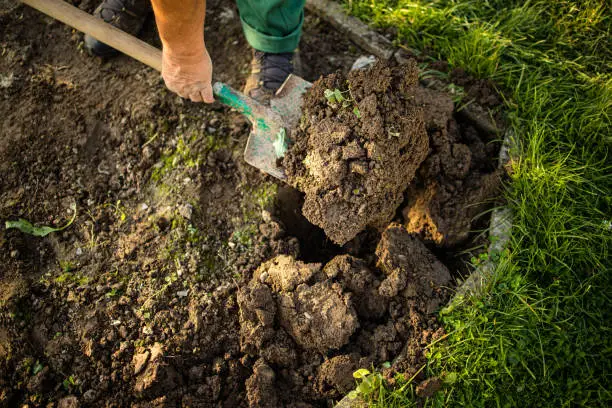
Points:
(186, 65)
(188, 76)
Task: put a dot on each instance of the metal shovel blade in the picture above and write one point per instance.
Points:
(273, 125)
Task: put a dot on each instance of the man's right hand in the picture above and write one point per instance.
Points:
(190, 76)
(186, 65)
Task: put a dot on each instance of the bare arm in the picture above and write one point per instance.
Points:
(186, 65)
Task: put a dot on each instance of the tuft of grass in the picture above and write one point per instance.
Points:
(540, 335)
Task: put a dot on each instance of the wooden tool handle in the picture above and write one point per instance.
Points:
(82, 21)
(137, 49)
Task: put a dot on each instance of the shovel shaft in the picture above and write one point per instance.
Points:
(84, 22)
(263, 146)
(133, 47)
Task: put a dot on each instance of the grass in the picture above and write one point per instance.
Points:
(540, 335)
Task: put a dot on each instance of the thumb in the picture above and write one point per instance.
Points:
(207, 93)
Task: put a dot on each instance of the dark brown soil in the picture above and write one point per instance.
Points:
(150, 297)
(457, 180)
(353, 162)
(310, 325)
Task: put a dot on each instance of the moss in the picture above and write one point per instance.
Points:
(69, 277)
(244, 235)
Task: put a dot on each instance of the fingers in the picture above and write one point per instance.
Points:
(190, 78)
(199, 93)
(195, 97)
(207, 93)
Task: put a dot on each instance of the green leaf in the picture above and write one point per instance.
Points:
(37, 368)
(330, 96)
(338, 95)
(356, 112)
(450, 378)
(26, 226)
(361, 373)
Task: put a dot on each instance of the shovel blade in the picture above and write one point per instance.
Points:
(263, 147)
(272, 132)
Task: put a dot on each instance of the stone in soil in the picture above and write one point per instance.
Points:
(353, 159)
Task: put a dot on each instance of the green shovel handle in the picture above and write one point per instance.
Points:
(237, 100)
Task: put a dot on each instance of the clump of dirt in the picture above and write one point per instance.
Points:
(456, 179)
(356, 152)
(309, 326)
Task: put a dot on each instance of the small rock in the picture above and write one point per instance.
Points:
(429, 387)
(6, 81)
(263, 277)
(363, 62)
(182, 293)
(79, 251)
(186, 210)
(68, 402)
(266, 216)
(196, 373)
(144, 207)
(14, 253)
(89, 396)
(140, 361)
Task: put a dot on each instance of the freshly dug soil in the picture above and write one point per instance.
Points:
(457, 180)
(353, 158)
(309, 326)
(145, 300)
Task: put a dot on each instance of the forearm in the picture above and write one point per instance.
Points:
(181, 26)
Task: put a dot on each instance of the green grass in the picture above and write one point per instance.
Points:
(540, 335)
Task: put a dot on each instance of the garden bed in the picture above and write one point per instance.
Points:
(187, 276)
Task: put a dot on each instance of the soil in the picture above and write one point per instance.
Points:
(154, 295)
(457, 180)
(353, 162)
(309, 326)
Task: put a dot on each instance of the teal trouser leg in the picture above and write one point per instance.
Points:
(272, 25)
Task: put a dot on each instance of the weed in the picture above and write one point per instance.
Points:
(113, 293)
(118, 211)
(67, 266)
(69, 277)
(337, 98)
(26, 226)
(244, 235)
(37, 368)
(70, 383)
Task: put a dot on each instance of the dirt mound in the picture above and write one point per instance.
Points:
(303, 321)
(358, 147)
(456, 180)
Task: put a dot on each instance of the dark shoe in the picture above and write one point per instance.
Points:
(126, 15)
(268, 72)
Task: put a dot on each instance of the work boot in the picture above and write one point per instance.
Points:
(126, 15)
(268, 72)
